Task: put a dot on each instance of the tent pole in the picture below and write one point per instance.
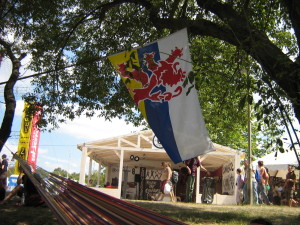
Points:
(82, 165)
(120, 173)
(99, 174)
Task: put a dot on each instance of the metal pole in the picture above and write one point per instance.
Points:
(249, 175)
(249, 172)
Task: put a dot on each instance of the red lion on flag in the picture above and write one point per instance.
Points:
(164, 72)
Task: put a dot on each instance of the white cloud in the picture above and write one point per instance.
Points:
(19, 108)
(50, 163)
(5, 69)
(96, 128)
(43, 151)
(8, 148)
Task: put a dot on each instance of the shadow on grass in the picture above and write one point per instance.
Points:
(21, 215)
(193, 214)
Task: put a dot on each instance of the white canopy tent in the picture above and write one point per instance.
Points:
(116, 153)
(278, 163)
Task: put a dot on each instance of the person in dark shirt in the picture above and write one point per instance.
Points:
(3, 173)
(3, 177)
(289, 185)
(192, 165)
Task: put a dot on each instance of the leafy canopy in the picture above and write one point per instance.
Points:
(244, 52)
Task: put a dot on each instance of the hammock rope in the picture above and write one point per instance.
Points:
(73, 203)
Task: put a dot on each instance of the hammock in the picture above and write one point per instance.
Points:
(73, 203)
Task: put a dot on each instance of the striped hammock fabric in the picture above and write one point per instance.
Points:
(73, 203)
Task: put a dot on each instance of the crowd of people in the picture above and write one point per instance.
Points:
(265, 190)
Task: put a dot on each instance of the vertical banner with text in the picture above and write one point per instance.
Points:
(34, 139)
(24, 140)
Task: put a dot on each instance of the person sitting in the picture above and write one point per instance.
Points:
(277, 194)
(18, 190)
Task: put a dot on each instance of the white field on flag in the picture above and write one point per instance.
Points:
(188, 125)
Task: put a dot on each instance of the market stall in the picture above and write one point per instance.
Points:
(133, 167)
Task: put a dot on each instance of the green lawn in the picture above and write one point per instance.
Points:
(190, 213)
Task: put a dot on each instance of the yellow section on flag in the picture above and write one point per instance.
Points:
(131, 84)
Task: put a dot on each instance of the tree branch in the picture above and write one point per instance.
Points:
(8, 50)
(183, 9)
(174, 7)
(293, 7)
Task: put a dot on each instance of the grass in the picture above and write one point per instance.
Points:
(11, 214)
(190, 213)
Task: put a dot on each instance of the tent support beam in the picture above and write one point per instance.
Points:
(82, 165)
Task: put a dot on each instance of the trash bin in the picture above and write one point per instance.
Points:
(208, 190)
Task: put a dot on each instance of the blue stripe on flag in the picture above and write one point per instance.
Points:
(148, 49)
(158, 113)
(159, 121)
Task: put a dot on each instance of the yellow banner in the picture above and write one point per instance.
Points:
(24, 140)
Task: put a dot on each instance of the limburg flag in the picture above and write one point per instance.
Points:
(159, 79)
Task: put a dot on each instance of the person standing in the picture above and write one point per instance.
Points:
(3, 177)
(264, 180)
(165, 179)
(192, 165)
(289, 185)
(254, 184)
(239, 186)
(3, 173)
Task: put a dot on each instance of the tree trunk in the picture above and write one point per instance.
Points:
(9, 97)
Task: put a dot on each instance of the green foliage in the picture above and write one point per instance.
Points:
(242, 52)
(75, 176)
(94, 178)
(61, 172)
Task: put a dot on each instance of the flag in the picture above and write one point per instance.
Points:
(34, 139)
(24, 140)
(159, 78)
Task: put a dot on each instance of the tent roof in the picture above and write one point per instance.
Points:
(107, 151)
(279, 162)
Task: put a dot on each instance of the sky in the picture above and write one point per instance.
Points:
(58, 148)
